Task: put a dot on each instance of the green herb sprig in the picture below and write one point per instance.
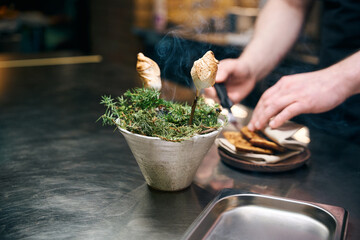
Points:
(142, 111)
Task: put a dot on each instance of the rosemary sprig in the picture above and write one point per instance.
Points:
(141, 111)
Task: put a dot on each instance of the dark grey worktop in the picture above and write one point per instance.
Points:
(64, 176)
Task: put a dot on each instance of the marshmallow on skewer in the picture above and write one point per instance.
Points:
(149, 72)
(204, 71)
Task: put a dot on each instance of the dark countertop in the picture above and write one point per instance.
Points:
(64, 176)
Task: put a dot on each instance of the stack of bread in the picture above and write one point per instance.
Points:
(253, 142)
(266, 146)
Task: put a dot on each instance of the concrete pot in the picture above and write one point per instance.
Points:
(165, 165)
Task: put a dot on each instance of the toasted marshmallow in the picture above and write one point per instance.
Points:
(149, 72)
(204, 71)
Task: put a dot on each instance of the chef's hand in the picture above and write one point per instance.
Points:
(236, 76)
(312, 92)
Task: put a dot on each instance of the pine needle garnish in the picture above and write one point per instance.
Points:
(141, 111)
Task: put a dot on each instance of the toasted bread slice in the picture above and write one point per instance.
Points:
(259, 141)
(242, 145)
(232, 136)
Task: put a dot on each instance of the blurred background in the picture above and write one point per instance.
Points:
(172, 32)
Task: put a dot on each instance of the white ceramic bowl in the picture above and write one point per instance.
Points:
(169, 166)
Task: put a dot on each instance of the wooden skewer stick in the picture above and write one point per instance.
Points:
(193, 107)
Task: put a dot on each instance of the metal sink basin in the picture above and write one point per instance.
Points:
(236, 215)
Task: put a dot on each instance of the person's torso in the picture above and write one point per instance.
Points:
(340, 34)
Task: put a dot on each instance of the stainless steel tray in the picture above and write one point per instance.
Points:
(237, 215)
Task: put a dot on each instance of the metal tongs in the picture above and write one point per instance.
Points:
(225, 101)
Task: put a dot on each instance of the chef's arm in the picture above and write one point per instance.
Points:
(311, 92)
(347, 73)
(276, 30)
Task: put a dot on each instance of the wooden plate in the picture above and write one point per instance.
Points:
(285, 165)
